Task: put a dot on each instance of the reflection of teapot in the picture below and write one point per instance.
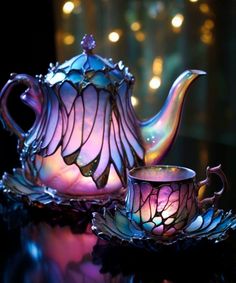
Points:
(86, 134)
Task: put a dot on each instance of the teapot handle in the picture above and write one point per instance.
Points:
(33, 89)
(212, 201)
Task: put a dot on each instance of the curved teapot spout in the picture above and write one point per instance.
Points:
(158, 133)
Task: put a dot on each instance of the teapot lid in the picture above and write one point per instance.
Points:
(88, 68)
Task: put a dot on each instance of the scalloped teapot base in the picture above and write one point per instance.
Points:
(16, 187)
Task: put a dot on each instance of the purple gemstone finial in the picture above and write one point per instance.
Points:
(88, 43)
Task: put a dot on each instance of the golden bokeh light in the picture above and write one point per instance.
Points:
(140, 36)
(69, 39)
(135, 26)
(207, 38)
(68, 7)
(193, 1)
(209, 24)
(114, 36)
(204, 8)
(206, 29)
(155, 82)
(177, 20)
(157, 66)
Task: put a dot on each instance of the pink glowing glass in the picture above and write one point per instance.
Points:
(86, 134)
(164, 199)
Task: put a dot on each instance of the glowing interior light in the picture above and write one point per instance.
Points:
(140, 36)
(68, 7)
(68, 39)
(157, 66)
(155, 82)
(193, 1)
(204, 8)
(177, 20)
(135, 26)
(114, 36)
(134, 101)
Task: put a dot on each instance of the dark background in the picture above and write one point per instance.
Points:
(27, 46)
(27, 30)
(29, 42)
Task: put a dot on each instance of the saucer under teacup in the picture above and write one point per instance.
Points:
(212, 224)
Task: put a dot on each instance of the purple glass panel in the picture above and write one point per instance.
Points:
(56, 138)
(90, 101)
(117, 135)
(115, 155)
(70, 127)
(145, 211)
(132, 139)
(91, 149)
(163, 196)
(146, 190)
(68, 95)
(128, 152)
(76, 134)
(158, 230)
(105, 152)
(153, 203)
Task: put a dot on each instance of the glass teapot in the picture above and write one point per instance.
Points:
(86, 134)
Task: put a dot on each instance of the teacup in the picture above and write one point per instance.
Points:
(163, 199)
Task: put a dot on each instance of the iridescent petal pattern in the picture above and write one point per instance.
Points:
(88, 128)
(162, 209)
(215, 226)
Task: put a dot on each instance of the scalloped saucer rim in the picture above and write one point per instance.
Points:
(18, 188)
(106, 226)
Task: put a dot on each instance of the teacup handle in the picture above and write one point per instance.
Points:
(212, 201)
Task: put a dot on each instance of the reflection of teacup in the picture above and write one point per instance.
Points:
(163, 199)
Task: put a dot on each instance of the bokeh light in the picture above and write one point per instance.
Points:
(135, 26)
(69, 39)
(68, 7)
(204, 8)
(155, 82)
(140, 36)
(113, 36)
(177, 20)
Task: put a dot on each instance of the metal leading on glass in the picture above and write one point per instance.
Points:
(215, 226)
(162, 207)
(86, 134)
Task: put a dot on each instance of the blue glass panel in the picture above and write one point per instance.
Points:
(100, 80)
(207, 217)
(68, 94)
(214, 223)
(148, 226)
(125, 227)
(196, 224)
(78, 64)
(58, 77)
(75, 77)
(95, 63)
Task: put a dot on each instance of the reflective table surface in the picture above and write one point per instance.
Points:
(39, 245)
